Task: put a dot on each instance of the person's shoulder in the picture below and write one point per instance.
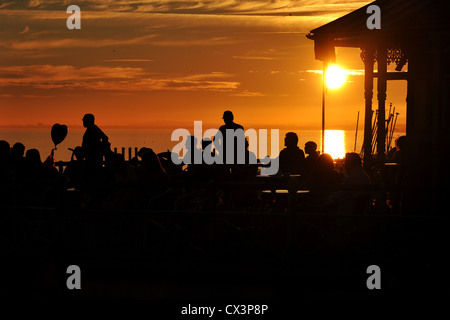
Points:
(300, 152)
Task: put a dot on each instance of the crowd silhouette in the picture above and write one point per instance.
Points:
(97, 177)
(149, 209)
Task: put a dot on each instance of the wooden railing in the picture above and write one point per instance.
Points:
(130, 152)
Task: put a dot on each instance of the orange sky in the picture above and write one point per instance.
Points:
(167, 63)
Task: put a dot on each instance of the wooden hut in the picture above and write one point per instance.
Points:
(416, 32)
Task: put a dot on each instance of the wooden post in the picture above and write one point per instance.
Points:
(368, 95)
(381, 88)
(324, 68)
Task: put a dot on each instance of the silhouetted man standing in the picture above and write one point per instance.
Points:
(228, 118)
(94, 140)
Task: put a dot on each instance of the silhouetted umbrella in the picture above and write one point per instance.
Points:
(59, 133)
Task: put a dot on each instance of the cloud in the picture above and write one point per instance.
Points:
(110, 79)
(255, 58)
(129, 60)
(230, 7)
(247, 93)
(352, 72)
(65, 43)
(26, 30)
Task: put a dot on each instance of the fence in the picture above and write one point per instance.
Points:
(131, 152)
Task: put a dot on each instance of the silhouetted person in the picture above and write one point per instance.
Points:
(5, 153)
(325, 173)
(311, 159)
(247, 171)
(76, 169)
(151, 170)
(400, 144)
(228, 118)
(18, 160)
(292, 157)
(6, 170)
(18, 151)
(353, 201)
(94, 141)
(37, 177)
(192, 152)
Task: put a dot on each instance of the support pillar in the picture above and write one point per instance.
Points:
(381, 88)
(368, 58)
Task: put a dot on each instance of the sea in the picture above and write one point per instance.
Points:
(337, 142)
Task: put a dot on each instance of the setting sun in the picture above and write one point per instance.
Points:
(335, 76)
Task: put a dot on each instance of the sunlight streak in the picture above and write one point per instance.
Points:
(335, 143)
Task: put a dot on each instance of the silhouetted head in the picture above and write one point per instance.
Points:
(228, 117)
(401, 143)
(18, 150)
(325, 162)
(352, 159)
(78, 153)
(88, 120)
(33, 157)
(291, 139)
(151, 161)
(4, 147)
(311, 147)
(5, 151)
(142, 151)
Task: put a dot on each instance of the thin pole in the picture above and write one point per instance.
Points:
(356, 131)
(324, 66)
(393, 129)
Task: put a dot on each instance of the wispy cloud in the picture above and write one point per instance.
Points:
(110, 79)
(352, 72)
(248, 93)
(129, 60)
(73, 43)
(239, 7)
(26, 30)
(255, 58)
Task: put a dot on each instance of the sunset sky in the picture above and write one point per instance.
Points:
(164, 64)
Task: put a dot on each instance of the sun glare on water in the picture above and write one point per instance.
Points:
(335, 77)
(335, 143)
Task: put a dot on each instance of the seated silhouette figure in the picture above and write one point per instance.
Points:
(292, 157)
(353, 201)
(400, 151)
(95, 142)
(311, 159)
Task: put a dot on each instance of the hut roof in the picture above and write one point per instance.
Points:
(400, 20)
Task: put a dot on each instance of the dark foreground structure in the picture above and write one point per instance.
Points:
(186, 245)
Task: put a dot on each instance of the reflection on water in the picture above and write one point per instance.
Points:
(335, 143)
